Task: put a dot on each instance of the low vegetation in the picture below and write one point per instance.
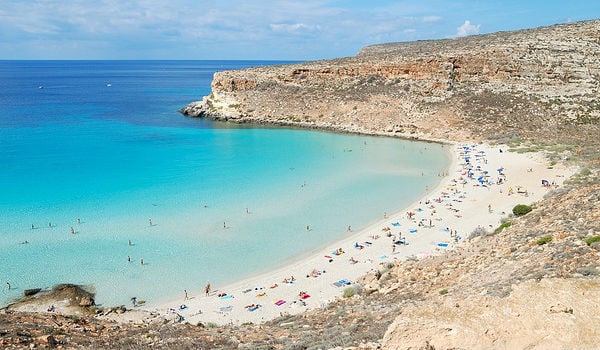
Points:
(502, 227)
(521, 209)
(544, 240)
(349, 292)
(591, 240)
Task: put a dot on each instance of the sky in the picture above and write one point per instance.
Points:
(256, 30)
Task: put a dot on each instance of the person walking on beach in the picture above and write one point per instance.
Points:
(185, 295)
(207, 289)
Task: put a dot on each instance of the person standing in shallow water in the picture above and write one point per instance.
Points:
(207, 289)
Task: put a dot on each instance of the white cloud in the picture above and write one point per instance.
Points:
(467, 29)
(199, 28)
(431, 19)
(293, 28)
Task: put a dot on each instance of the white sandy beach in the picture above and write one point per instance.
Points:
(460, 203)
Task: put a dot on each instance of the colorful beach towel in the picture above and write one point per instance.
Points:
(396, 224)
(226, 296)
(343, 282)
(280, 302)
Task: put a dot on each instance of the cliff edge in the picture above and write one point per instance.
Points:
(540, 83)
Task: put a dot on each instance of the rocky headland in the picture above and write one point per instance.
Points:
(532, 282)
(539, 83)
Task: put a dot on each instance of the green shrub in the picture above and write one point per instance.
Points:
(585, 172)
(349, 292)
(544, 240)
(502, 226)
(443, 291)
(591, 240)
(521, 209)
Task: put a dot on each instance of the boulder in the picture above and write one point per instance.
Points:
(32, 291)
(48, 340)
(87, 301)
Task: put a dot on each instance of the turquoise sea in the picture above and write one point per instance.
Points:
(102, 142)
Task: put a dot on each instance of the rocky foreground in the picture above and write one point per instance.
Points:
(532, 283)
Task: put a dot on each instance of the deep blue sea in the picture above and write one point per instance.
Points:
(99, 147)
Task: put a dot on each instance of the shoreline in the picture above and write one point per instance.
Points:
(266, 296)
(197, 109)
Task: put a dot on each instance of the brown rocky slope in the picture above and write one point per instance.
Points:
(532, 284)
(538, 83)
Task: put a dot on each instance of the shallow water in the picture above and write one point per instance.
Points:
(102, 142)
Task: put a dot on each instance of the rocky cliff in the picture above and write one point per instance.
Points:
(539, 83)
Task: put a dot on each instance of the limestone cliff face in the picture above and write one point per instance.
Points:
(480, 87)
